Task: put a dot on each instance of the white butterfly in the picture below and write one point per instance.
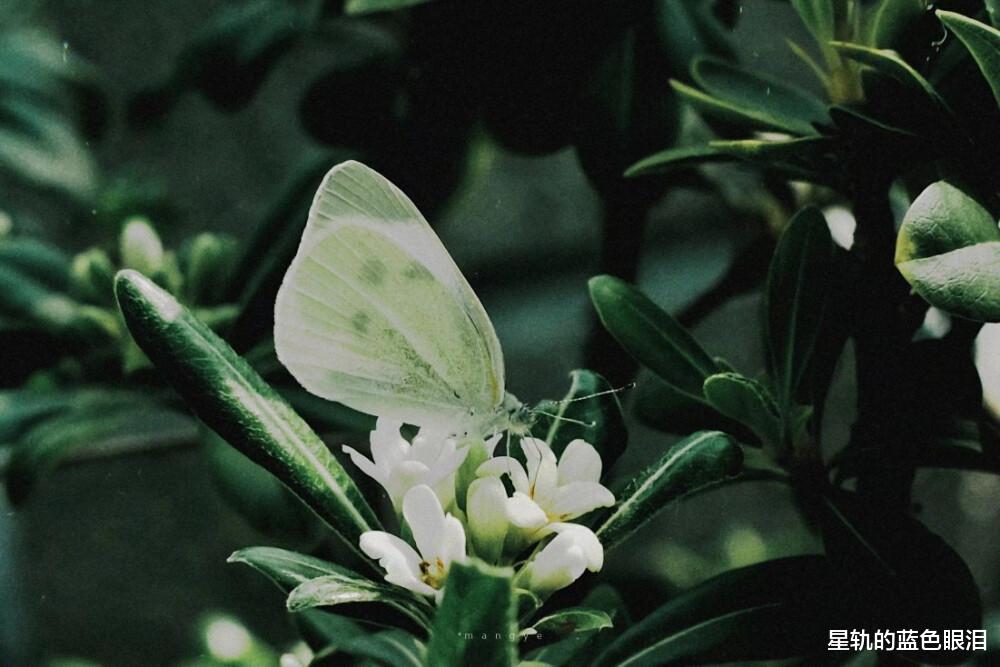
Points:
(374, 313)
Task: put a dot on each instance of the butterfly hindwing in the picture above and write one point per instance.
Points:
(373, 312)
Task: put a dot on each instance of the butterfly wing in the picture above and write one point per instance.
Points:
(374, 314)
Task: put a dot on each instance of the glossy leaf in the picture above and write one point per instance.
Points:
(819, 17)
(583, 645)
(890, 64)
(698, 461)
(982, 41)
(347, 587)
(788, 107)
(746, 401)
(237, 404)
(769, 611)
(904, 575)
(573, 619)
(287, 569)
(948, 249)
(668, 409)
(651, 335)
(603, 423)
(478, 600)
(799, 288)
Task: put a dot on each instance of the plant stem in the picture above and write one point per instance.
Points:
(882, 336)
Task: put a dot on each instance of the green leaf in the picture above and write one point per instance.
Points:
(888, 63)
(726, 111)
(768, 611)
(568, 650)
(982, 41)
(700, 460)
(342, 588)
(787, 106)
(370, 6)
(799, 286)
(819, 17)
(237, 404)
(948, 249)
(572, 619)
(287, 569)
(257, 495)
(993, 10)
(326, 633)
(603, 424)
(38, 260)
(893, 18)
(903, 574)
(746, 401)
(475, 624)
(812, 158)
(96, 426)
(393, 648)
(651, 335)
(20, 408)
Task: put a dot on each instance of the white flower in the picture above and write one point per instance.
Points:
(487, 517)
(399, 466)
(548, 492)
(440, 541)
(574, 549)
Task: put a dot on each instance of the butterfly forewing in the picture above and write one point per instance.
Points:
(373, 312)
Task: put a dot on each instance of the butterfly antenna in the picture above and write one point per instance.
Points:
(560, 418)
(616, 390)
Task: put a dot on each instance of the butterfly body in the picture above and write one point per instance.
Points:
(374, 313)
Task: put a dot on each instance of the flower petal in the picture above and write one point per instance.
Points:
(579, 462)
(505, 465)
(524, 512)
(388, 446)
(557, 565)
(487, 517)
(365, 465)
(578, 498)
(423, 513)
(399, 560)
(543, 473)
(586, 539)
(452, 546)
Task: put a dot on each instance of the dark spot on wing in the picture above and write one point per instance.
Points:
(416, 271)
(373, 271)
(360, 321)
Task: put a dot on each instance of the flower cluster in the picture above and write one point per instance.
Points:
(452, 502)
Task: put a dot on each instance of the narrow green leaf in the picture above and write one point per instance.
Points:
(948, 249)
(326, 633)
(371, 6)
(572, 649)
(573, 619)
(698, 461)
(668, 409)
(982, 41)
(768, 611)
(38, 260)
(287, 569)
(237, 404)
(474, 624)
(257, 495)
(93, 427)
(746, 401)
(993, 10)
(676, 158)
(731, 112)
(595, 410)
(893, 18)
(819, 17)
(651, 335)
(393, 648)
(799, 287)
(334, 589)
(788, 106)
(890, 64)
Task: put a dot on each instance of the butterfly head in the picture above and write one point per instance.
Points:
(517, 417)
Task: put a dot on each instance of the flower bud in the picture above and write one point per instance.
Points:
(92, 276)
(140, 246)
